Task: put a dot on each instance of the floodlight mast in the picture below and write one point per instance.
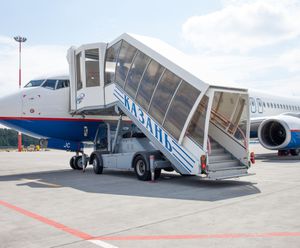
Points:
(20, 40)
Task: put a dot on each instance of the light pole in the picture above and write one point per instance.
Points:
(20, 40)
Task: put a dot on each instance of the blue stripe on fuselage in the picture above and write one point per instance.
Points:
(59, 129)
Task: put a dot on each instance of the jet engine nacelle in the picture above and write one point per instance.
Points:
(280, 132)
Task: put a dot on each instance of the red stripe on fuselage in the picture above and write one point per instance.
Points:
(295, 130)
(48, 119)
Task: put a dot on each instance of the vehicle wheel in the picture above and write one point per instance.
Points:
(294, 152)
(78, 163)
(141, 168)
(97, 164)
(72, 163)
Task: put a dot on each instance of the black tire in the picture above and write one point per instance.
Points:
(72, 163)
(294, 152)
(78, 163)
(141, 168)
(97, 163)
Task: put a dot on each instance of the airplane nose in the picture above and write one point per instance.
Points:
(11, 105)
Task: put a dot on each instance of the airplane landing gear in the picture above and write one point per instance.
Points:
(295, 152)
(79, 162)
(283, 153)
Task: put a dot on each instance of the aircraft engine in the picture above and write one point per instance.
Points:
(280, 132)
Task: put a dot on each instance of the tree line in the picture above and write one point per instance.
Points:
(9, 138)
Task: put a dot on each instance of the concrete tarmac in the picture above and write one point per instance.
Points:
(44, 203)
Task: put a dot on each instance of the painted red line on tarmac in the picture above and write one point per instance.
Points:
(86, 236)
(47, 221)
(202, 236)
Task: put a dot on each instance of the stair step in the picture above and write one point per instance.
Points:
(228, 168)
(214, 145)
(223, 174)
(219, 158)
(218, 151)
(223, 164)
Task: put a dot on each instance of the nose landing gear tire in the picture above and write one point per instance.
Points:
(78, 163)
(72, 163)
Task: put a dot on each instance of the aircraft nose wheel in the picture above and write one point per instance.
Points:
(72, 163)
(76, 162)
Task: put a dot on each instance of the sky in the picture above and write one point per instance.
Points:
(255, 44)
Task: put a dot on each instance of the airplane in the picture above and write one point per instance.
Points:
(41, 109)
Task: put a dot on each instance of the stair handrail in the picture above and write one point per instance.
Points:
(227, 121)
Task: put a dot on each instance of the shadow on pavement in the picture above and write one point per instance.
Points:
(169, 185)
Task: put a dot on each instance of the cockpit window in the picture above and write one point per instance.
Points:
(49, 84)
(34, 83)
(62, 84)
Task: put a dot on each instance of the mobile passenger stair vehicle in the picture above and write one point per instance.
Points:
(172, 119)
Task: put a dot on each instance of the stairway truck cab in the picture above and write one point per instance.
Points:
(199, 128)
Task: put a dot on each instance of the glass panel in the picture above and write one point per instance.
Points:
(126, 55)
(229, 113)
(62, 84)
(92, 67)
(50, 84)
(223, 105)
(34, 83)
(136, 71)
(197, 125)
(148, 83)
(180, 108)
(163, 95)
(239, 122)
(78, 70)
(110, 63)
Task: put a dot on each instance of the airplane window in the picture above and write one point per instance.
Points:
(62, 84)
(264, 104)
(278, 105)
(268, 105)
(49, 84)
(271, 105)
(281, 106)
(274, 105)
(34, 83)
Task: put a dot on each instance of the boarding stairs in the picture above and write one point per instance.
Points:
(222, 164)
